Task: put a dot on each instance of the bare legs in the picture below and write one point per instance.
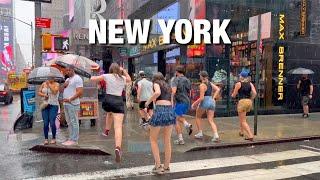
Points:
(210, 116)
(117, 118)
(154, 134)
(244, 124)
(109, 121)
(305, 109)
(199, 113)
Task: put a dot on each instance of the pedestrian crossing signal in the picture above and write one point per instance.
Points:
(61, 44)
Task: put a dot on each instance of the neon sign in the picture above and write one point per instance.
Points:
(281, 57)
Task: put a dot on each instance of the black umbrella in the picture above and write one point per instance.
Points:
(42, 74)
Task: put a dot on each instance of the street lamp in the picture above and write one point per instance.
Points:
(31, 29)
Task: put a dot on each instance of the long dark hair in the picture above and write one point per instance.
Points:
(115, 70)
(159, 79)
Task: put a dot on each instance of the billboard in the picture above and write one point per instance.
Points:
(6, 39)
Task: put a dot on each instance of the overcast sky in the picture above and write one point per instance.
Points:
(24, 10)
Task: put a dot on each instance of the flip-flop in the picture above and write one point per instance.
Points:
(46, 142)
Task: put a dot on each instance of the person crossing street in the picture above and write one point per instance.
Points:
(181, 87)
(144, 92)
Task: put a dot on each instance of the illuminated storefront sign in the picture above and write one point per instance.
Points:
(303, 18)
(281, 58)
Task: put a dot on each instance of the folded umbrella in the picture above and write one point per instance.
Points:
(42, 74)
(80, 64)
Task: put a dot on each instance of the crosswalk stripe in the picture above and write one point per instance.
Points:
(280, 172)
(192, 165)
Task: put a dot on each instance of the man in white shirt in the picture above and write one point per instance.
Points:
(144, 92)
(71, 94)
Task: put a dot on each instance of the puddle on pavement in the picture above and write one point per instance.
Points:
(21, 137)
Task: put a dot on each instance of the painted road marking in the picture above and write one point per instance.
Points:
(310, 147)
(280, 172)
(191, 165)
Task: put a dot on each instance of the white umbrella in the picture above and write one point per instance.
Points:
(81, 65)
(42, 74)
(300, 71)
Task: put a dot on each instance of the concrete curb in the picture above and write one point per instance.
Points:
(259, 142)
(69, 150)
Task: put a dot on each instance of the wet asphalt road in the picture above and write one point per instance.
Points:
(17, 162)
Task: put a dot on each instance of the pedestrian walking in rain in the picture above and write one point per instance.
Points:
(113, 103)
(73, 90)
(246, 93)
(164, 118)
(144, 92)
(49, 90)
(305, 88)
(181, 87)
(206, 104)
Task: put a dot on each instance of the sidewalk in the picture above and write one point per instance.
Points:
(135, 139)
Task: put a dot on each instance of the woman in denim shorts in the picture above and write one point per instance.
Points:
(206, 104)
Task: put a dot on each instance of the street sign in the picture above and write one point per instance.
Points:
(61, 44)
(41, 1)
(43, 22)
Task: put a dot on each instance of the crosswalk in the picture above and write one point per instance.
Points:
(276, 165)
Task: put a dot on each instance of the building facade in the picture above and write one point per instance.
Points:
(7, 59)
(290, 39)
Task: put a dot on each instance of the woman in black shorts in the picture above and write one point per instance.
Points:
(113, 103)
(163, 117)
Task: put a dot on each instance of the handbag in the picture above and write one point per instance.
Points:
(44, 103)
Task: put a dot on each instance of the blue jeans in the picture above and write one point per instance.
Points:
(49, 115)
(71, 113)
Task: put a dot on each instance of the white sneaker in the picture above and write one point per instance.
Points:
(198, 136)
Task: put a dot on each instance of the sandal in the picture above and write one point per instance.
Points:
(46, 142)
(248, 139)
(166, 170)
(158, 170)
(53, 141)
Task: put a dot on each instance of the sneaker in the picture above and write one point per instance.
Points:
(118, 153)
(198, 136)
(179, 142)
(189, 129)
(106, 133)
(70, 143)
(158, 170)
(216, 140)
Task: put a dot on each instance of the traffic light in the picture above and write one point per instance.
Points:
(46, 42)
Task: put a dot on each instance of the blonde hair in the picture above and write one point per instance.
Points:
(243, 79)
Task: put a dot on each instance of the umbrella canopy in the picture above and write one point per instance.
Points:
(42, 74)
(300, 71)
(80, 64)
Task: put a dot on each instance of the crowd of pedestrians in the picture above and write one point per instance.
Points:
(162, 106)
